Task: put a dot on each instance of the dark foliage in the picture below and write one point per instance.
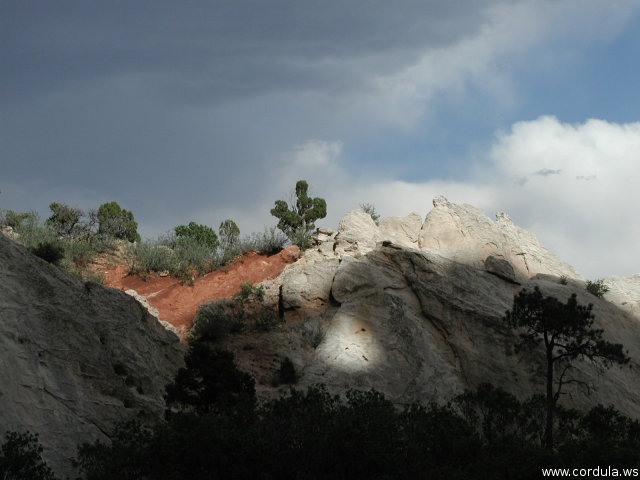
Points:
(213, 322)
(200, 233)
(597, 288)
(20, 458)
(51, 251)
(566, 333)
(214, 430)
(210, 382)
(64, 219)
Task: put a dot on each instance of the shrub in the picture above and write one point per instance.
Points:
(114, 220)
(597, 288)
(21, 458)
(190, 254)
(371, 210)
(266, 320)
(180, 256)
(149, 256)
(247, 290)
(82, 250)
(564, 280)
(213, 322)
(210, 381)
(30, 230)
(51, 251)
(269, 242)
(15, 220)
(313, 331)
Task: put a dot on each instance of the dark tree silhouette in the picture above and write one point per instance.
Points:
(566, 331)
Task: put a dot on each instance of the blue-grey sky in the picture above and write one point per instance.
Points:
(203, 111)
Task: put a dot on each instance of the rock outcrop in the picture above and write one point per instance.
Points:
(416, 310)
(76, 357)
(465, 234)
(459, 232)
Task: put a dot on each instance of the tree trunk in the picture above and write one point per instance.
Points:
(548, 432)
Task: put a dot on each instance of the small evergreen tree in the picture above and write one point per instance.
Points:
(229, 235)
(566, 331)
(297, 222)
(115, 221)
(16, 220)
(200, 233)
(210, 382)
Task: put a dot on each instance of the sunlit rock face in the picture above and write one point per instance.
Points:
(76, 357)
(465, 234)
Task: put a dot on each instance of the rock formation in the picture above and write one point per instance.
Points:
(76, 357)
(415, 309)
(411, 308)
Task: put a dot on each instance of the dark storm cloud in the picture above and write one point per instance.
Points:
(208, 50)
(170, 106)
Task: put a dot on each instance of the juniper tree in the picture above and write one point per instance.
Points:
(297, 222)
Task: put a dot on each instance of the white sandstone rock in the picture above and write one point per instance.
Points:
(357, 234)
(403, 231)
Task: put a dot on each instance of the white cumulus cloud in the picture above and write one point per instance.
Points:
(573, 185)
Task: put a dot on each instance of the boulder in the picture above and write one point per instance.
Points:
(306, 285)
(357, 234)
(500, 268)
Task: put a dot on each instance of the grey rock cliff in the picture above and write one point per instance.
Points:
(76, 357)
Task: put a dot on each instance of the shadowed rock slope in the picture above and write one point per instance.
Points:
(75, 357)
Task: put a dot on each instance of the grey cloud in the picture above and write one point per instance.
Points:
(586, 178)
(545, 172)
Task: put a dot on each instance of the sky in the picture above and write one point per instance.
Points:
(201, 111)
